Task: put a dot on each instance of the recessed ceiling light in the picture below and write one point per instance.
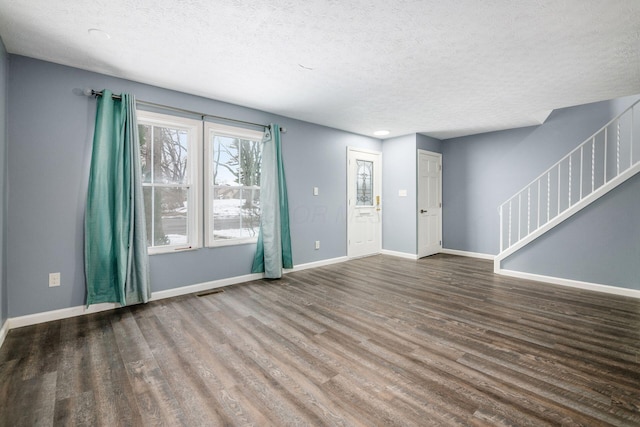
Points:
(381, 133)
(98, 34)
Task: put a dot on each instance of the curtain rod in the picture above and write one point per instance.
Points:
(91, 92)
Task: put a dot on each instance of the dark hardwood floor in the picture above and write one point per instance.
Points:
(375, 341)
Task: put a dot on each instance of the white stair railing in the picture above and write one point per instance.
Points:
(608, 155)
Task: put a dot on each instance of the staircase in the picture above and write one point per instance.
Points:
(598, 165)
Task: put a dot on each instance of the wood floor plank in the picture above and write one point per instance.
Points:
(156, 401)
(439, 341)
(111, 386)
(73, 358)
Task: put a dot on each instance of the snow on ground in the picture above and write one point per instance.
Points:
(222, 209)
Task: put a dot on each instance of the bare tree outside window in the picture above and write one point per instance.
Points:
(236, 187)
(163, 152)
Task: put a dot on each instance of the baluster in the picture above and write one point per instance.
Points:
(548, 195)
(593, 163)
(559, 180)
(538, 216)
(618, 149)
(510, 222)
(581, 163)
(519, 215)
(569, 205)
(604, 181)
(528, 210)
(501, 209)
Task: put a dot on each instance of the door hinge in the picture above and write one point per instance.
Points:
(440, 167)
(440, 204)
(440, 243)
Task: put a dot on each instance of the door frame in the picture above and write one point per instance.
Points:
(439, 155)
(351, 149)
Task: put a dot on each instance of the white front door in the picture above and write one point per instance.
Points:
(364, 207)
(429, 203)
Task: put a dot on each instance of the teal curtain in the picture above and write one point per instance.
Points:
(273, 252)
(115, 247)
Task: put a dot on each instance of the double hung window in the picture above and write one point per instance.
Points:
(193, 170)
(232, 167)
(170, 150)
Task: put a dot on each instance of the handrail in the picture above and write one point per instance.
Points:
(564, 175)
(609, 123)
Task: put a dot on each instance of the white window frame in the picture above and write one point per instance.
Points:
(194, 182)
(211, 129)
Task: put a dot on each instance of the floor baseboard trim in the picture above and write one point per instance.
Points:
(205, 286)
(64, 313)
(615, 290)
(399, 254)
(467, 254)
(316, 264)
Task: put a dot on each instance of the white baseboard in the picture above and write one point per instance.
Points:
(467, 254)
(615, 290)
(317, 264)
(64, 313)
(206, 286)
(399, 254)
(4, 331)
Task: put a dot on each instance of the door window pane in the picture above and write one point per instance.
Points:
(364, 183)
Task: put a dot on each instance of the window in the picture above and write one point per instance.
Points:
(169, 151)
(232, 194)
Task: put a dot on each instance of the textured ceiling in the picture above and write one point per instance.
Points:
(442, 68)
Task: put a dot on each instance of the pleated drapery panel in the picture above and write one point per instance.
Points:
(116, 259)
(273, 252)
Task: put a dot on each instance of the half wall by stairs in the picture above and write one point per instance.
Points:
(603, 161)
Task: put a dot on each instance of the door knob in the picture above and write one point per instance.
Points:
(423, 211)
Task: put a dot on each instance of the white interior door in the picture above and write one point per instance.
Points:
(364, 207)
(429, 203)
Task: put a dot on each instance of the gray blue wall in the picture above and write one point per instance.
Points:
(482, 171)
(49, 136)
(399, 213)
(400, 172)
(4, 77)
(600, 244)
(429, 144)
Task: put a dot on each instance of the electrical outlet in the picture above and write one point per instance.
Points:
(54, 279)
(315, 191)
(317, 244)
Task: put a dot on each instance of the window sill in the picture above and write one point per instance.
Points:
(232, 242)
(172, 250)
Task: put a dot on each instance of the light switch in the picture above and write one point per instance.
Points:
(315, 191)
(402, 193)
